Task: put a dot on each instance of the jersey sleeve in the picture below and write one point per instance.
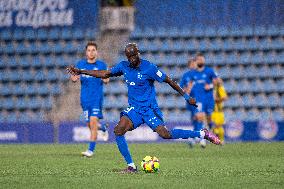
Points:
(184, 81)
(156, 74)
(117, 70)
(79, 65)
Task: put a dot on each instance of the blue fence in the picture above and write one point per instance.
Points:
(76, 132)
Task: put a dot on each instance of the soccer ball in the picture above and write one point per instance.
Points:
(150, 164)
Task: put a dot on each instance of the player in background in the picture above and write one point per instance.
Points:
(184, 83)
(91, 94)
(202, 80)
(218, 116)
(140, 75)
(186, 86)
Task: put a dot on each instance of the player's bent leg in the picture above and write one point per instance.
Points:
(185, 134)
(199, 118)
(94, 122)
(163, 132)
(176, 133)
(124, 125)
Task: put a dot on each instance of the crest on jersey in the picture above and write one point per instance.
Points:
(159, 73)
(139, 76)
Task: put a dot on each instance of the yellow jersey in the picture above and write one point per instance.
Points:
(219, 92)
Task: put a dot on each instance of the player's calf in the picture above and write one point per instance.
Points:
(123, 126)
(163, 132)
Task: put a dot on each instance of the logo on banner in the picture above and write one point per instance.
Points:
(8, 135)
(234, 129)
(267, 129)
(83, 134)
(142, 133)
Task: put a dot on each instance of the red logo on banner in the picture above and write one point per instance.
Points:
(267, 129)
(234, 129)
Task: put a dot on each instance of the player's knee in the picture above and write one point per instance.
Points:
(200, 117)
(165, 135)
(119, 130)
(94, 121)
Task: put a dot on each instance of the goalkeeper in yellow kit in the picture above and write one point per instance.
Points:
(218, 117)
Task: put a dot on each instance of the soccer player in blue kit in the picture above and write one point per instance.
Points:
(201, 84)
(139, 75)
(184, 83)
(91, 94)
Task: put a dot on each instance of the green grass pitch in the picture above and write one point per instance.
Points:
(240, 165)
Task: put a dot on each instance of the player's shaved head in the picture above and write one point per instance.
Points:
(132, 54)
(131, 48)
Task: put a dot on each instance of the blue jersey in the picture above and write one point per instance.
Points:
(199, 79)
(186, 78)
(140, 83)
(91, 87)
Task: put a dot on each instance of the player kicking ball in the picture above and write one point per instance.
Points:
(140, 75)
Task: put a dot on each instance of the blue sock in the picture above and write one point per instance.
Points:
(92, 145)
(198, 125)
(184, 134)
(123, 148)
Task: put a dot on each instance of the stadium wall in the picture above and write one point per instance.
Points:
(77, 132)
(194, 13)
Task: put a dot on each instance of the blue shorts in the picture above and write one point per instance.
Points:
(92, 110)
(152, 117)
(205, 105)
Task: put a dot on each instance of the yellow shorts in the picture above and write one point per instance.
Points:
(218, 118)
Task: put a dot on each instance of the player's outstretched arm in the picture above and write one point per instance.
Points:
(95, 73)
(176, 87)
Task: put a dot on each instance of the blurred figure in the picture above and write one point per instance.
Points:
(184, 83)
(92, 94)
(218, 116)
(200, 85)
(186, 86)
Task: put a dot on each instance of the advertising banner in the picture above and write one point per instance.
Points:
(26, 132)
(78, 132)
(48, 13)
(235, 131)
